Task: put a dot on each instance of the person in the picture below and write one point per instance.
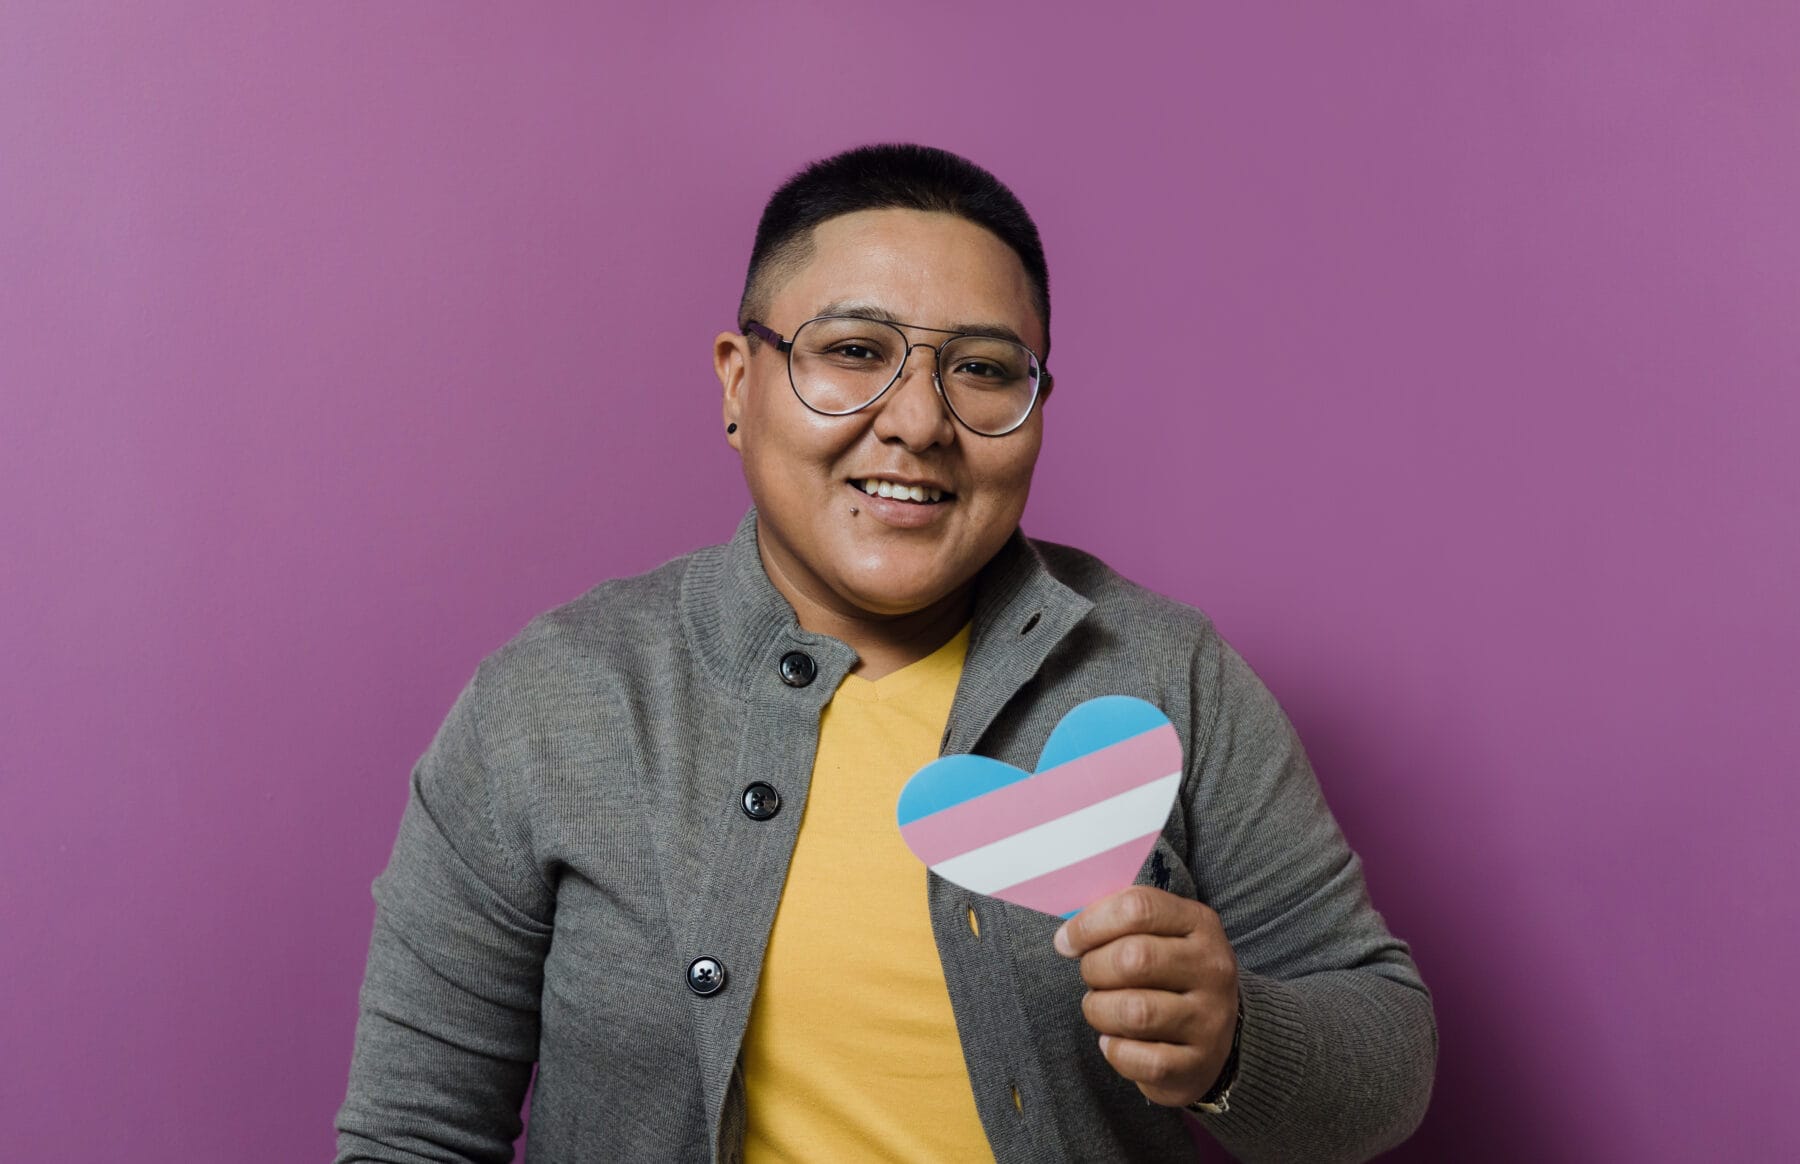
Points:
(652, 851)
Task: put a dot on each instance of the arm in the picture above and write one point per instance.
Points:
(448, 1030)
(1339, 1042)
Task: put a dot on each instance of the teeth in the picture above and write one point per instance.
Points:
(876, 487)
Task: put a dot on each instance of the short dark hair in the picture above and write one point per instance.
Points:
(883, 177)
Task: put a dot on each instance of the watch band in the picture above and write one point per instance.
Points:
(1218, 1100)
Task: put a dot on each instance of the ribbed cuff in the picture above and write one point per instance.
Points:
(1272, 1059)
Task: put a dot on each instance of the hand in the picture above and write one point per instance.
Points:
(1163, 989)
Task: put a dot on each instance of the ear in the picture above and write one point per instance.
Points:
(731, 363)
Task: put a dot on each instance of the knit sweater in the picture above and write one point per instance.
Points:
(575, 841)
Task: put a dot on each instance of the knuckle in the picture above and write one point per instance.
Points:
(1135, 958)
(1136, 1011)
(1138, 906)
(1157, 1070)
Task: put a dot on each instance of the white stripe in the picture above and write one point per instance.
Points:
(1048, 847)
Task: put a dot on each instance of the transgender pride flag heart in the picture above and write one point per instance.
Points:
(1061, 837)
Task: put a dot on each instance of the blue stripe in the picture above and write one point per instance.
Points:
(948, 782)
(1096, 724)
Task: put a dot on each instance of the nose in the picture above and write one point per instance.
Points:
(915, 413)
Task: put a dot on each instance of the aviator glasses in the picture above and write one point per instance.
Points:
(840, 364)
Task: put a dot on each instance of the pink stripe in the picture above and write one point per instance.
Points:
(1036, 799)
(1079, 885)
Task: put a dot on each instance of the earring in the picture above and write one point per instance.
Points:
(732, 427)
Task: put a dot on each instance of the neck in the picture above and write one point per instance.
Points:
(883, 643)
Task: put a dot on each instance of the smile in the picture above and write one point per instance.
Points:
(918, 494)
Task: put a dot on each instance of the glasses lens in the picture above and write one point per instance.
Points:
(839, 364)
(991, 383)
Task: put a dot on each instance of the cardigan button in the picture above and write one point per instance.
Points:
(761, 801)
(706, 976)
(798, 669)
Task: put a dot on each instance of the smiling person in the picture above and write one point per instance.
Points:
(652, 851)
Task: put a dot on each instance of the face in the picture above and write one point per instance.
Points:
(820, 532)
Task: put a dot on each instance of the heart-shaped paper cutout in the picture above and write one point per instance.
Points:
(1061, 837)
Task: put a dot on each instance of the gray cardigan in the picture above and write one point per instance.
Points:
(575, 839)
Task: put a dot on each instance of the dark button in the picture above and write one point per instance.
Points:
(798, 669)
(761, 801)
(706, 976)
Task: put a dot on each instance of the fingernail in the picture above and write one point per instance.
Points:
(1061, 941)
(1105, 1040)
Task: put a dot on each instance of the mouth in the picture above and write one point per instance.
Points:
(902, 491)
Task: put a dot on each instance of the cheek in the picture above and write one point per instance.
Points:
(774, 438)
(1011, 476)
(793, 466)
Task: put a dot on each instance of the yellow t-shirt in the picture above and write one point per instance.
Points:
(852, 1052)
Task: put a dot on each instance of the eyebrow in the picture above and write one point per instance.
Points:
(877, 312)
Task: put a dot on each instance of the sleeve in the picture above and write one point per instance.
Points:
(448, 1029)
(1339, 1042)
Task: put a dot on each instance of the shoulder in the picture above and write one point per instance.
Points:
(1121, 604)
(617, 629)
(1137, 641)
(1175, 646)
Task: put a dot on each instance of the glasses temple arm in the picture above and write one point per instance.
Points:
(751, 327)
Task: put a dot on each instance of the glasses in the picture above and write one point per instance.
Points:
(839, 364)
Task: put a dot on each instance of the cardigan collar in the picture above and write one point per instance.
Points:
(741, 624)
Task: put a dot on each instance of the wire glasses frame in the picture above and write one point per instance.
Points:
(1035, 372)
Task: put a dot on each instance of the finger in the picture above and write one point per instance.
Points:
(1165, 1072)
(1155, 1015)
(1139, 909)
(1145, 960)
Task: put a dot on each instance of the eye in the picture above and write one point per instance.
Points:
(855, 351)
(980, 369)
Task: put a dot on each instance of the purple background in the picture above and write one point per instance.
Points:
(1446, 354)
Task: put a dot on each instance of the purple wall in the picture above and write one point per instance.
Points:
(1446, 354)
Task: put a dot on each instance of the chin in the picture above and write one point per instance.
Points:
(876, 598)
(891, 604)
(901, 579)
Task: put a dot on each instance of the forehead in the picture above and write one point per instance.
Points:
(926, 268)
